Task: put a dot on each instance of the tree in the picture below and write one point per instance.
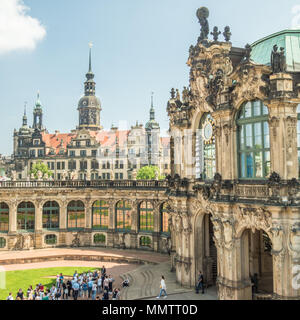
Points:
(149, 173)
(43, 168)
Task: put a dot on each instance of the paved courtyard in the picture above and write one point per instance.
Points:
(143, 269)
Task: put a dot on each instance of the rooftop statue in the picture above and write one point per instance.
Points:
(278, 60)
(203, 14)
(227, 34)
(216, 33)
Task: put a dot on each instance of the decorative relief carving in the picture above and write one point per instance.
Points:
(274, 125)
(254, 219)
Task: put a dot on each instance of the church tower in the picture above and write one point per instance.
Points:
(38, 114)
(89, 105)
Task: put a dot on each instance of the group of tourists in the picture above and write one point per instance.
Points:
(97, 285)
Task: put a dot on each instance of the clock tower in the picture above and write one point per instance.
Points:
(89, 105)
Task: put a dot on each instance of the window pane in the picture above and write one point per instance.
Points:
(266, 135)
(243, 167)
(249, 136)
(242, 138)
(248, 108)
(258, 135)
(257, 108)
(267, 164)
(249, 162)
(265, 110)
(258, 165)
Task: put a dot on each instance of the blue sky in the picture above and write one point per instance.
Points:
(139, 46)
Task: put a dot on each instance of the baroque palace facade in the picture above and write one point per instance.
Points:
(88, 153)
(230, 206)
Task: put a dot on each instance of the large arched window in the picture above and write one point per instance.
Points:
(4, 217)
(298, 137)
(51, 215)
(146, 216)
(100, 214)
(253, 141)
(205, 149)
(26, 216)
(76, 215)
(123, 215)
(164, 214)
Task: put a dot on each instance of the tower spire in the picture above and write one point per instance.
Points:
(152, 111)
(90, 58)
(25, 116)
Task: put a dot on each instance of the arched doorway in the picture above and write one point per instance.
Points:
(205, 250)
(257, 263)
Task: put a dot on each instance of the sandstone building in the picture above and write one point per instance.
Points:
(230, 206)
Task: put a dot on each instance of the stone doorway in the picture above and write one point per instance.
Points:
(257, 263)
(206, 251)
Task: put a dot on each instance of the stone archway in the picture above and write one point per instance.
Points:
(205, 249)
(257, 263)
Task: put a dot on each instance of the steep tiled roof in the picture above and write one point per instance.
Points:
(57, 141)
(108, 138)
(165, 142)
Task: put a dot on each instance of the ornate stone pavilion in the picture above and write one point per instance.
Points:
(234, 190)
(232, 200)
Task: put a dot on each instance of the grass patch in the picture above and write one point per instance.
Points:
(24, 278)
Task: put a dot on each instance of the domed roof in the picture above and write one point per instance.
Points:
(89, 101)
(287, 39)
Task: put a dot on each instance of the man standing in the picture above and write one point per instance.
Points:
(200, 284)
(75, 290)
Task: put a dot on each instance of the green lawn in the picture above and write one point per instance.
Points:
(24, 278)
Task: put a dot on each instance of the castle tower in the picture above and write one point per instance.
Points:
(89, 105)
(37, 115)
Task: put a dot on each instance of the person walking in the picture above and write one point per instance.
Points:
(200, 284)
(75, 290)
(94, 290)
(163, 288)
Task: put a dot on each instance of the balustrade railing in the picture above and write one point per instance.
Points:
(97, 184)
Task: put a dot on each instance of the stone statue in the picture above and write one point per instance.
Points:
(216, 33)
(275, 60)
(40, 175)
(32, 177)
(14, 175)
(177, 95)
(282, 60)
(203, 14)
(248, 52)
(185, 95)
(227, 34)
(172, 93)
(64, 175)
(46, 177)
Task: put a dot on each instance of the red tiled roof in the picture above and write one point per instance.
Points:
(57, 141)
(108, 138)
(165, 142)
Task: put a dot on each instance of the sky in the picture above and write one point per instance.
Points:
(139, 47)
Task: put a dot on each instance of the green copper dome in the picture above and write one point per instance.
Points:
(288, 39)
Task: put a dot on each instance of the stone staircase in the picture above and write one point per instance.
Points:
(144, 282)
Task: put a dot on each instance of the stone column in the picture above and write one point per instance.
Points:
(283, 127)
(13, 207)
(224, 144)
(134, 225)
(156, 232)
(38, 216)
(63, 216)
(88, 214)
(111, 224)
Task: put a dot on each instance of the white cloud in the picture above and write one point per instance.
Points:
(18, 30)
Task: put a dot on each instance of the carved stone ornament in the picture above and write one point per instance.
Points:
(274, 125)
(253, 219)
(294, 239)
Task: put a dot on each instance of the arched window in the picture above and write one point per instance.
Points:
(76, 215)
(123, 215)
(253, 141)
(298, 137)
(4, 217)
(164, 214)
(206, 149)
(26, 216)
(100, 215)
(51, 215)
(146, 216)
